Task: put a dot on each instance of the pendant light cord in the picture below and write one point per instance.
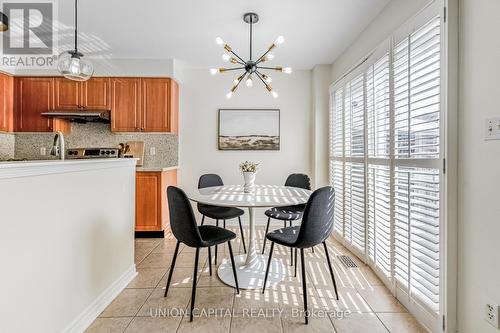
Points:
(76, 26)
(251, 23)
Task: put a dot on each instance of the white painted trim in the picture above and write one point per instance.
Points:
(50, 167)
(87, 316)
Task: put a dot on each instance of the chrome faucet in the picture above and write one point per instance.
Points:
(58, 146)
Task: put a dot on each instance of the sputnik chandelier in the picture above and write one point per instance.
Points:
(251, 68)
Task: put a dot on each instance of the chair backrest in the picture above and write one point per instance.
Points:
(182, 219)
(209, 180)
(298, 180)
(317, 221)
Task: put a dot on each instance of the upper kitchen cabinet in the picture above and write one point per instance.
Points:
(32, 97)
(157, 110)
(68, 95)
(6, 103)
(93, 94)
(125, 105)
(96, 93)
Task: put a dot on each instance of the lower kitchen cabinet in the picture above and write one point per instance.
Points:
(151, 208)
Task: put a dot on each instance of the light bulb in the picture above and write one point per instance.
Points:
(279, 40)
(249, 82)
(226, 57)
(229, 95)
(236, 80)
(269, 56)
(219, 41)
(274, 93)
(214, 71)
(287, 70)
(74, 66)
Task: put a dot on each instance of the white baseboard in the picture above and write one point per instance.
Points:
(84, 319)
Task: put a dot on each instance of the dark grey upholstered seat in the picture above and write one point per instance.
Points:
(222, 213)
(186, 231)
(288, 213)
(284, 236)
(316, 227)
(216, 212)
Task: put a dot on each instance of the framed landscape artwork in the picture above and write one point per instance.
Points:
(249, 129)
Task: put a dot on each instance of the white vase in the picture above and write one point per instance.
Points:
(249, 182)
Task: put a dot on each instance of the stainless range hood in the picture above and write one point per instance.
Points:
(80, 116)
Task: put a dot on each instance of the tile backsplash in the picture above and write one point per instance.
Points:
(28, 145)
(7, 141)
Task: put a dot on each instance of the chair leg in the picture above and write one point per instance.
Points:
(312, 248)
(242, 235)
(267, 230)
(284, 224)
(268, 266)
(295, 262)
(172, 268)
(210, 260)
(304, 289)
(331, 270)
(215, 260)
(291, 250)
(193, 291)
(224, 224)
(234, 267)
(203, 220)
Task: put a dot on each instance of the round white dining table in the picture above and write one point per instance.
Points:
(251, 266)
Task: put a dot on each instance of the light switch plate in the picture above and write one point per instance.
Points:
(43, 151)
(492, 129)
(152, 151)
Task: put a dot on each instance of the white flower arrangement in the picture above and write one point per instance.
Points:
(248, 166)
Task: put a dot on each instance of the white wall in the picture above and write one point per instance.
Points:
(479, 209)
(203, 94)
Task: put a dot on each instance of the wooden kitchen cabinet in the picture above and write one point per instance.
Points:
(125, 105)
(6, 103)
(32, 97)
(93, 94)
(157, 110)
(151, 207)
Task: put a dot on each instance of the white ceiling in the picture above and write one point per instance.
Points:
(316, 31)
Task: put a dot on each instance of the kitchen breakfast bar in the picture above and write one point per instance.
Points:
(67, 241)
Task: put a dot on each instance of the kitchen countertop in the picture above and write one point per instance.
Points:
(156, 169)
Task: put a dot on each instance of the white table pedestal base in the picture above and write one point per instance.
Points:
(251, 276)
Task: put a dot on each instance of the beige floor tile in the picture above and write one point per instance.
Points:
(349, 300)
(205, 325)
(210, 281)
(359, 323)
(153, 324)
(181, 278)
(140, 255)
(364, 277)
(127, 303)
(147, 278)
(254, 299)
(249, 324)
(318, 323)
(380, 300)
(156, 260)
(108, 325)
(213, 298)
(177, 298)
(401, 323)
(186, 259)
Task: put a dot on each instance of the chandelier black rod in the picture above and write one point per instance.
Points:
(262, 56)
(259, 75)
(251, 24)
(232, 69)
(76, 26)
(237, 56)
(271, 68)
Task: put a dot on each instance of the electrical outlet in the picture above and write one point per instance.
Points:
(43, 151)
(152, 151)
(492, 315)
(492, 129)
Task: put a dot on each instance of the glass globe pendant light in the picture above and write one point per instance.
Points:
(71, 63)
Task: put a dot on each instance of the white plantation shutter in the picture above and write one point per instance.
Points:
(385, 160)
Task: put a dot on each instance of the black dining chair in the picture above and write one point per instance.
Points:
(288, 213)
(216, 212)
(186, 230)
(316, 227)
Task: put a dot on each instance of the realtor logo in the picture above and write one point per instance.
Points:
(30, 39)
(31, 30)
